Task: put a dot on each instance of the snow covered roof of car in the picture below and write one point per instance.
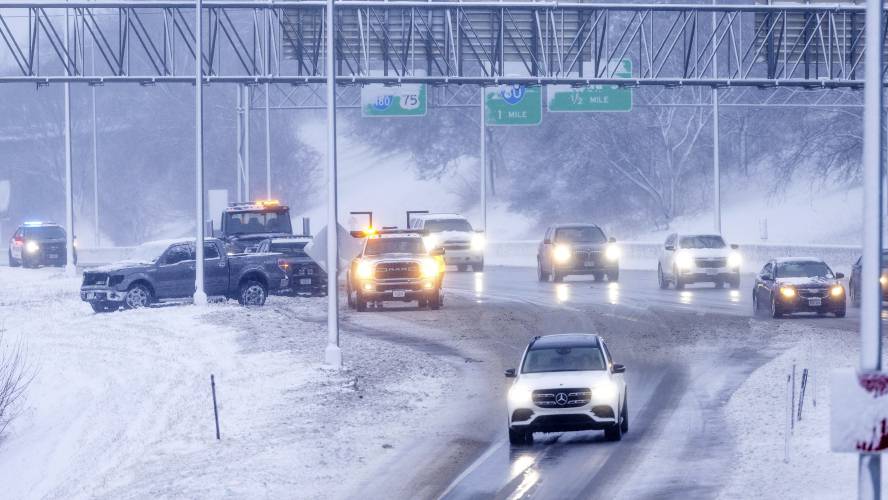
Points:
(784, 260)
(574, 224)
(566, 340)
(173, 241)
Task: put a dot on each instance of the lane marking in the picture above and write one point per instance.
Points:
(468, 471)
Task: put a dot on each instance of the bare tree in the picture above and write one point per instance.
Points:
(15, 376)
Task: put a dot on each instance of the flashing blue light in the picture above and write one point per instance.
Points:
(33, 223)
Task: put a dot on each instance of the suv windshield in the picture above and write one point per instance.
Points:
(563, 359)
(377, 246)
(45, 233)
(441, 225)
(590, 234)
(701, 242)
(257, 222)
(803, 270)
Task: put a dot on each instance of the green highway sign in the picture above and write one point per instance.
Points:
(513, 105)
(408, 99)
(564, 98)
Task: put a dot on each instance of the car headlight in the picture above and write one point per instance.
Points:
(429, 268)
(734, 259)
(684, 259)
(561, 253)
(31, 246)
(607, 391)
(431, 241)
(365, 270)
(612, 252)
(520, 396)
(478, 242)
(787, 291)
(883, 280)
(837, 291)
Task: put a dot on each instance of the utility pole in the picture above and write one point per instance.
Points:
(200, 295)
(869, 465)
(267, 143)
(95, 157)
(716, 167)
(483, 163)
(70, 268)
(333, 354)
(247, 104)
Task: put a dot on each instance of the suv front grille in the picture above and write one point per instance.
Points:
(456, 246)
(95, 279)
(712, 262)
(397, 270)
(562, 398)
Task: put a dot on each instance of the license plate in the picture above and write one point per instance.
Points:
(53, 256)
(711, 272)
(815, 302)
(305, 281)
(399, 294)
(90, 295)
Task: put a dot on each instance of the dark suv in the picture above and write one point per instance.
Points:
(571, 249)
(37, 244)
(306, 276)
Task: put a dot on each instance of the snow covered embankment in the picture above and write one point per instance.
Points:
(121, 403)
(757, 417)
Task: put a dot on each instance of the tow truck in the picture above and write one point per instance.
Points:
(394, 265)
(246, 224)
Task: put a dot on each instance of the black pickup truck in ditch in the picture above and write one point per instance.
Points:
(165, 270)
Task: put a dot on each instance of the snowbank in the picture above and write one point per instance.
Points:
(757, 415)
(121, 404)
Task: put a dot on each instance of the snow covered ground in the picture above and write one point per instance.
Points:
(757, 415)
(121, 407)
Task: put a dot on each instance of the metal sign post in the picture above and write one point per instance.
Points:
(333, 354)
(200, 296)
(483, 161)
(70, 269)
(869, 465)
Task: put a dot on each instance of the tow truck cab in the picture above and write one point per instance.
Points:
(245, 225)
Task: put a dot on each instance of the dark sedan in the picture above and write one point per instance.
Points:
(306, 276)
(854, 282)
(577, 249)
(796, 285)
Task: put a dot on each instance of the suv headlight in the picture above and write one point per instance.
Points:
(365, 270)
(612, 252)
(561, 253)
(837, 290)
(429, 268)
(684, 259)
(606, 391)
(787, 292)
(520, 396)
(478, 242)
(734, 259)
(31, 246)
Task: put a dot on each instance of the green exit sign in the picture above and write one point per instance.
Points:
(601, 98)
(408, 99)
(513, 105)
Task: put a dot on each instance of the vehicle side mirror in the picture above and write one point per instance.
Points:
(734, 246)
(510, 373)
(436, 252)
(670, 248)
(611, 240)
(766, 277)
(618, 368)
(840, 276)
(547, 241)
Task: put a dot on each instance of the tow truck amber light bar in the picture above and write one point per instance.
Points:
(373, 232)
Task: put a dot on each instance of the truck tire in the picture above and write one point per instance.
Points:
(360, 302)
(137, 296)
(348, 295)
(252, 293)
(613, 276)
(13, 262)
(104, 307)
(479, 267)
(435, 301)
(542, 276)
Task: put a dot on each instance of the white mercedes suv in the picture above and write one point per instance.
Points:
(567, 382)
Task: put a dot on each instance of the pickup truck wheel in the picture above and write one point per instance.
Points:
(252, 293)
(422, 303)
(104, 307)
(360, 302)
(348, 295)
(137, 296)
(435, 301)
(13, 262)
(478, 268)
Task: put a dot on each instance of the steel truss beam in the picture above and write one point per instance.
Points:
(437, 42)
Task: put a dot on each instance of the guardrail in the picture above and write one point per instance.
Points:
(635, 254)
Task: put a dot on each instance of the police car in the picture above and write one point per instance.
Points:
(37, 244)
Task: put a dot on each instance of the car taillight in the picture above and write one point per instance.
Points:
(18, 240)
(284, 265)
